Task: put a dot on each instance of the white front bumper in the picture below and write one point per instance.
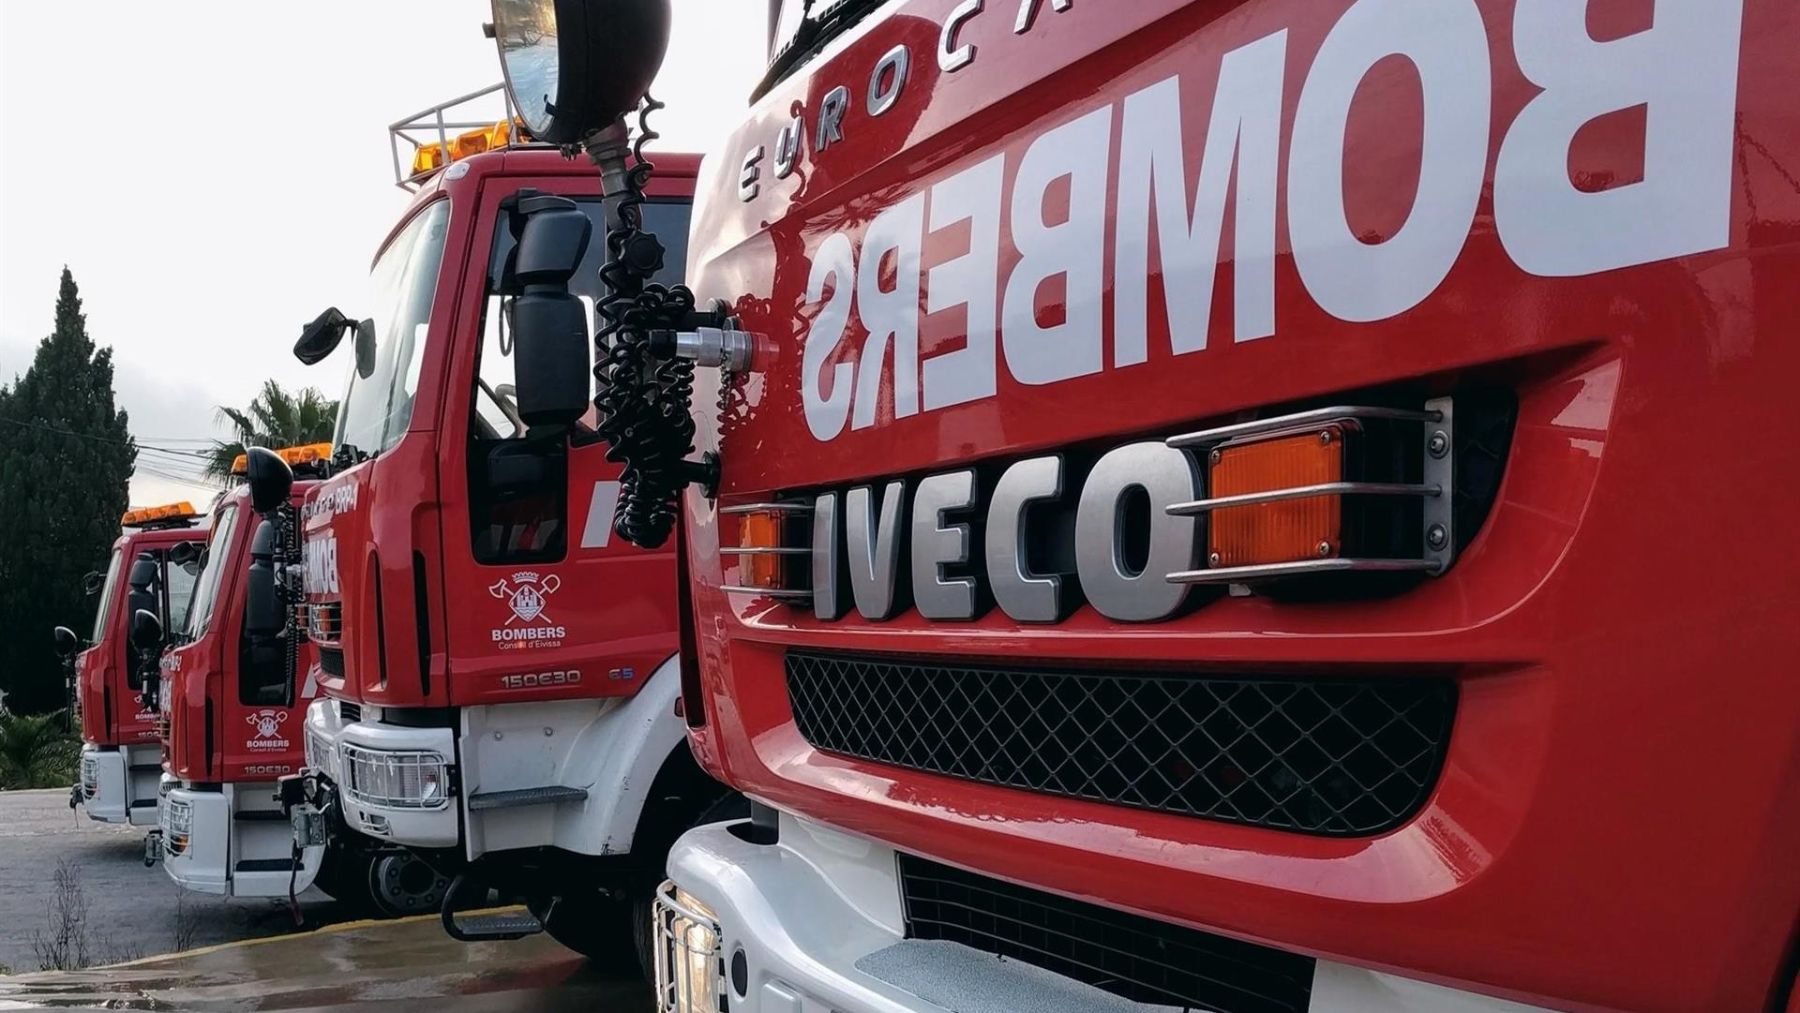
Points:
(812, 912)
(119, 785)
(237, 843)
(603, 754)
(408, 826)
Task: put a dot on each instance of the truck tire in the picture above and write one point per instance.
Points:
(613, 931)
(400, 883)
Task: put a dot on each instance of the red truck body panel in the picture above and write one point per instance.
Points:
(1614, 823)
(110, 712)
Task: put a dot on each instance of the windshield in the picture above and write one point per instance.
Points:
(206, 589)
(109, 589)
(384, 371)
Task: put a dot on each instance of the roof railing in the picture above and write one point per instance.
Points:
(441, 124)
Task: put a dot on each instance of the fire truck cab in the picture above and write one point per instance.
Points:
(1242, 506)
(151, 569)
(235, 682)
(498, 670)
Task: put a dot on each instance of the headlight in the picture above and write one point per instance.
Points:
(177, 825)
(689, 978)
(318, 752)
(395, 780)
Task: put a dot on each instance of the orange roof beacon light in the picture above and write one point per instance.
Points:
(1327, 491)
(313, 455)
(169, 515)
(452, 131)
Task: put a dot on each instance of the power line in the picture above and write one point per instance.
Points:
(22, 423)
(198, 481)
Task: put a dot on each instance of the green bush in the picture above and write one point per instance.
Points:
(35, 752)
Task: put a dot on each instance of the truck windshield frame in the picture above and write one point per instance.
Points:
(206, 588)
(377, 408)
(109, 590)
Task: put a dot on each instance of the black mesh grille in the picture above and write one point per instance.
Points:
(1128, 955)
(1320, 756)
(331, 661)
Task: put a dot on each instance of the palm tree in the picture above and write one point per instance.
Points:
(275, 418)
(35, 752)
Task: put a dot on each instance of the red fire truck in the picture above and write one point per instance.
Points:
(500, 687)
(234, 688)
(1189, 520)
(151, 569)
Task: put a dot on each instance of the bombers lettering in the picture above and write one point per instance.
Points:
(502, 636)
(1134, 198)
(321, 565)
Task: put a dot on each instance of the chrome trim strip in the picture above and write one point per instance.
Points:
(1271, 571)
(750, 508)
(1201, 506)
(772, 592)
(762, 550)
(1316, 416)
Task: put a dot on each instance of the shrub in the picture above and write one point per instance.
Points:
(35, 752)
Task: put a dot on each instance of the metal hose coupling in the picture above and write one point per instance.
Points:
(723, 347)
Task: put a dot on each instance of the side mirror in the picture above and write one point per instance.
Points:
(577, 66)
(270, 479)
(146, 631)
(550, 343)
(319, 338)
(67, 643)
(186, 555)
(263, 614)
(365, 348)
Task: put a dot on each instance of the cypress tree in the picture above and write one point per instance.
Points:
(66, 458)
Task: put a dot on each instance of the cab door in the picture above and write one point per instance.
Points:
(550, 603)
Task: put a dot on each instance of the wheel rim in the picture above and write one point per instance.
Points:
(402, 884)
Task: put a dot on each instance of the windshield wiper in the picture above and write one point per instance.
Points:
(812, 35)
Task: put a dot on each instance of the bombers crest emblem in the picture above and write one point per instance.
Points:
(525, 593)
(265, 728)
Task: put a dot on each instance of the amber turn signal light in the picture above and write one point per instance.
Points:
(763, 565)
(1282, 530)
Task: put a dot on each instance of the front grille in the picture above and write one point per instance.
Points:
(1341, 757)
(1138, 958)
(349, 713)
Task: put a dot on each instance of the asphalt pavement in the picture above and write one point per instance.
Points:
(130, 911)
(402, 966)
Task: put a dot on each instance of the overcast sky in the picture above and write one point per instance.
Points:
(215, 172)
